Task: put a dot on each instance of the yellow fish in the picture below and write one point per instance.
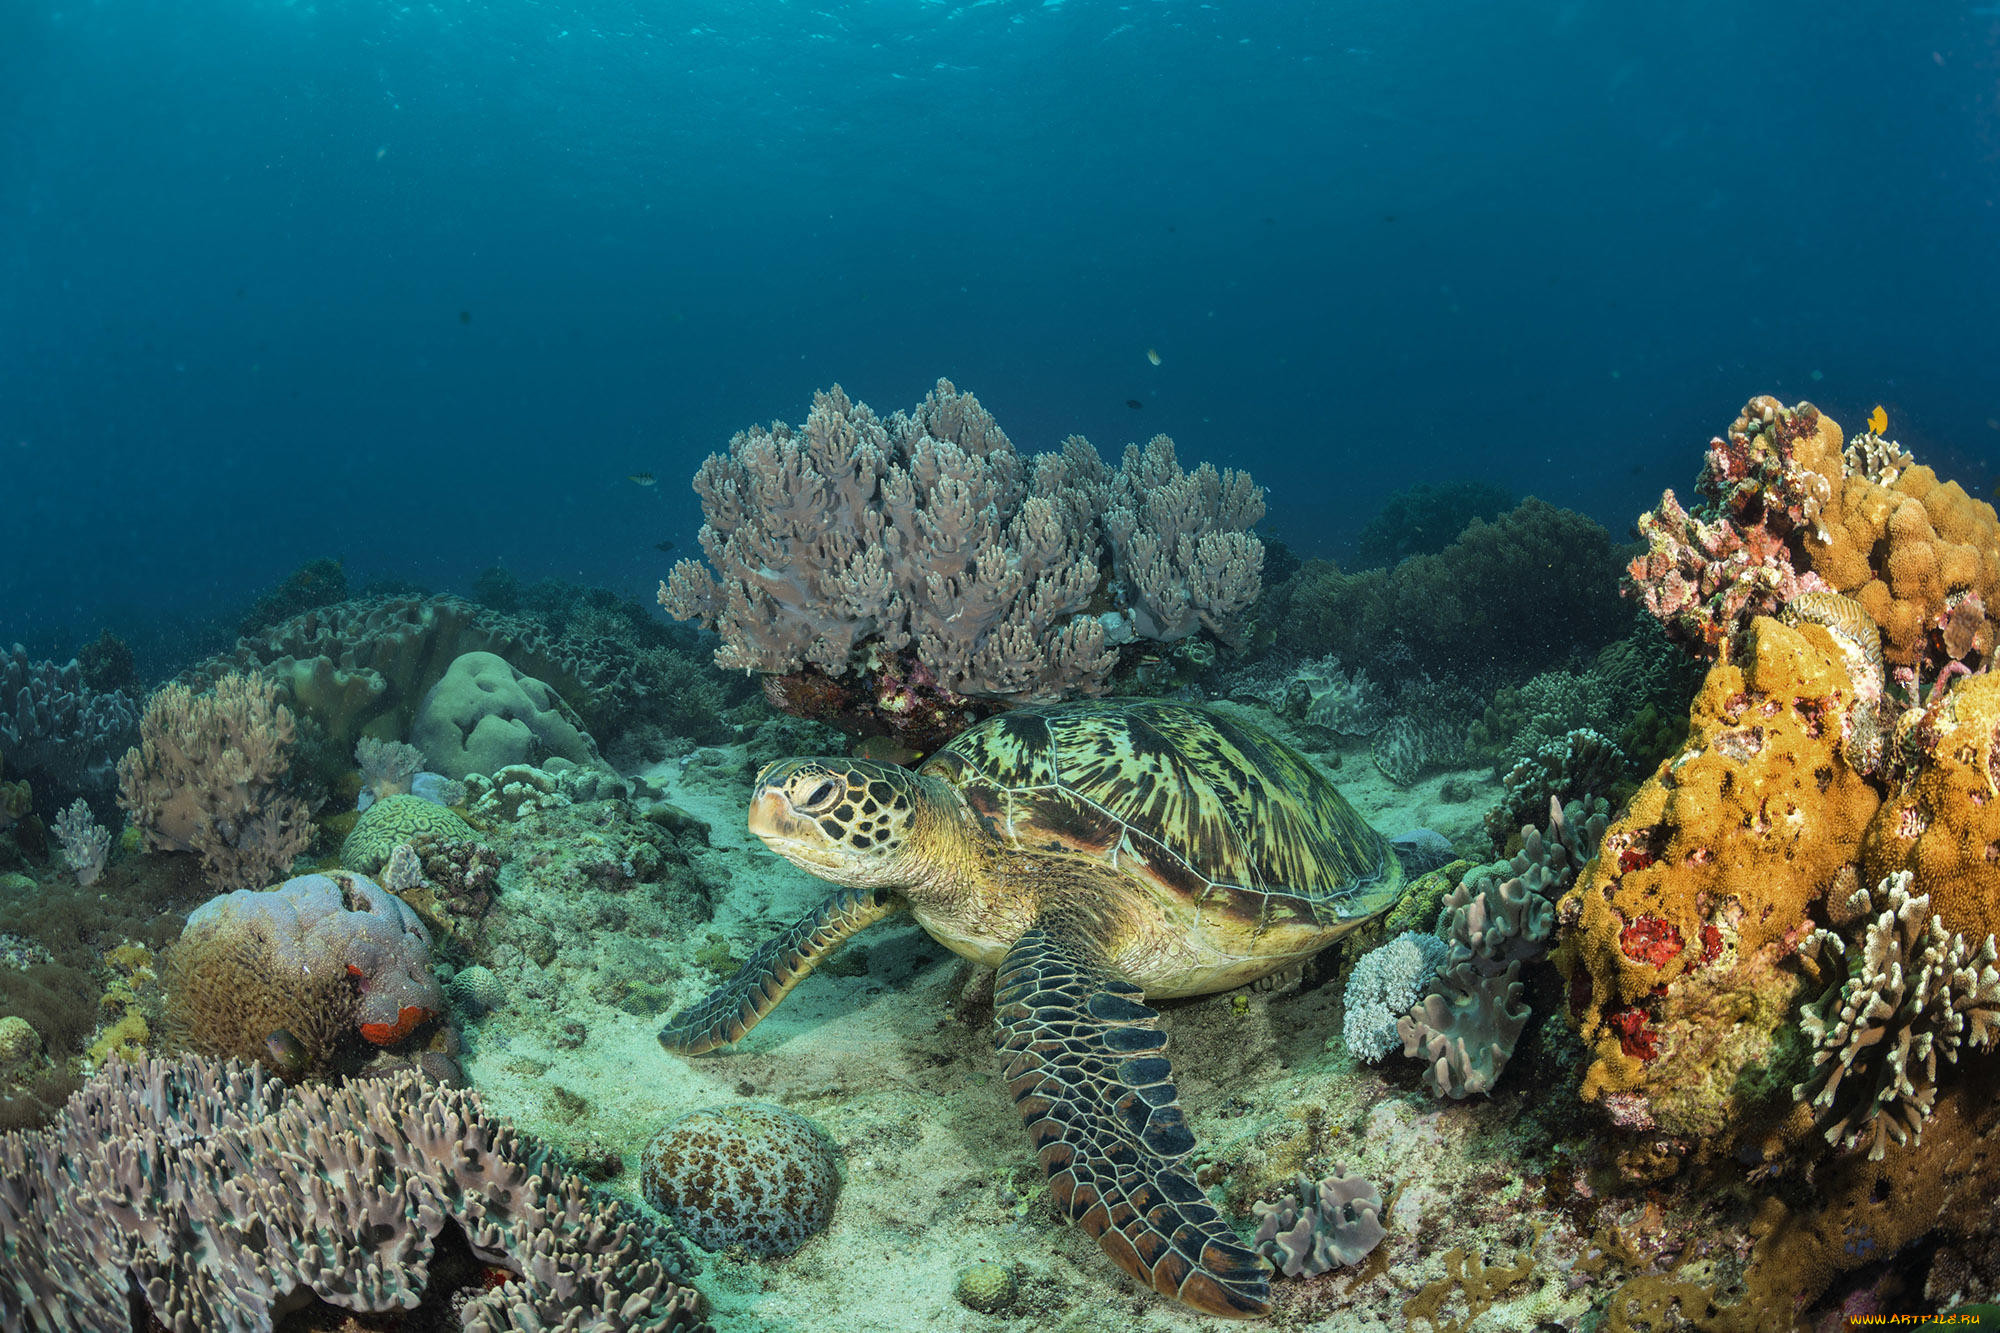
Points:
(1878, 420)
(1152, 356)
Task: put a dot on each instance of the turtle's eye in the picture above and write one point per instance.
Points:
(821, 797)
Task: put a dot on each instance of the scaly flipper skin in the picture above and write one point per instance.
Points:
(1089, 1076)
(779, 964)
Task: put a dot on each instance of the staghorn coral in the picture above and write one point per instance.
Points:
(1791, 511)
(1317, 1227)
(927, 559)
(1914, 991)
(208, 1196)
(209, 775)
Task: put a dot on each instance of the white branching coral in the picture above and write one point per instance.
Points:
(1913, 992)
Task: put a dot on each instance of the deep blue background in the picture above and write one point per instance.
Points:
(418, 285)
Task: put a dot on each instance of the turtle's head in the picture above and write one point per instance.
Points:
(855, 822)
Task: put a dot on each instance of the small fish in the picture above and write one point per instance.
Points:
(663, 547)
(642, 479)
(1134, 404)
(1152, 356)
(1878, 420)
(288, 1053)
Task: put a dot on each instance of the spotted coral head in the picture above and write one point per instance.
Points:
(851, 821)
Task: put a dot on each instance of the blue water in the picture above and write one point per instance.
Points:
(418, 285)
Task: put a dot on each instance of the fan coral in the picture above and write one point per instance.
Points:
(752, 1175)
(1318, 1227)
(208, 1196)
(926, 557)
(1913, 992)
(318, 956)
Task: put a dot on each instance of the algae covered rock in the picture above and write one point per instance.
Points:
(484, 715)
(393, 820)
(752, 1175)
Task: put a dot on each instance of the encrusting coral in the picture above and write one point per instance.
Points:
(901, 577)
(209, 1196)
(209, 776)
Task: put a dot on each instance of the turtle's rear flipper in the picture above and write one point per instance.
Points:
(779, 964)
(1089, 1075)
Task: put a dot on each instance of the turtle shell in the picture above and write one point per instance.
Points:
(1207, 807)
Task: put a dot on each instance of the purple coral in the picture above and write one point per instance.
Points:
(324, 924)
(928, 560)
(1319, 1227)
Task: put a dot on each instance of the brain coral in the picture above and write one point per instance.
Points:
(753, 1175)
(318, 956)
(393, 820)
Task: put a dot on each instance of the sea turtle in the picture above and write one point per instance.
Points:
(1097, 854)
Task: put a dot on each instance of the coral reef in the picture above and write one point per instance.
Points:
(752, 1175)
(393, 820)
(85, 842)
(197, 1194)
(1426, 518)
(930, 562)
(1790, 512)
(61, 734)
(1577, 763)
(1498, 918)
(320, 957)
(1913, 992)
(1383, 986)
(209, 775)
(1315, 1228)
(483, 715)
(388, 768)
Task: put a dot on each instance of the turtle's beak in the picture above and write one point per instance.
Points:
(790, 834)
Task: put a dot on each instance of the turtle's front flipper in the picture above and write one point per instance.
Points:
(779, 964)
(1089, 1075)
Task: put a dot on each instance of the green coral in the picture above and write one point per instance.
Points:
(393, 820)
(1422, 901)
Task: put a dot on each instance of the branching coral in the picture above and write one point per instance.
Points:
(1383, 986)
(208, 1196)
(1913, 992)
(58, 731)
(928, 558)
(209, 776)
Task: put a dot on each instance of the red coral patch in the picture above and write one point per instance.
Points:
(1711, 944)
(1635, 1037)
(1650, 940)
(388, 1034)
